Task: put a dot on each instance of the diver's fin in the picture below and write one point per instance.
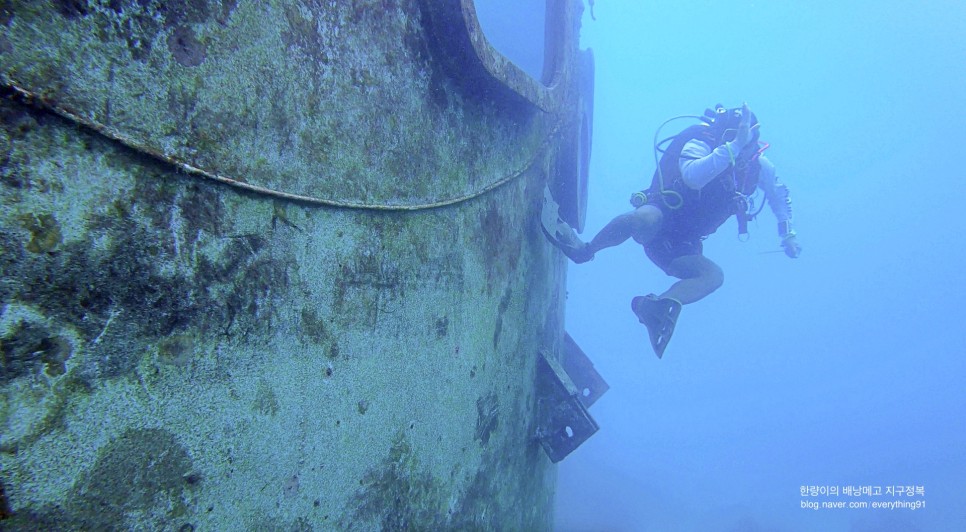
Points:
(659, 316)
(565, 239)
(559, 232)
(550, 213)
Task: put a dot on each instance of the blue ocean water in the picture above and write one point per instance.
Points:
(844, 368)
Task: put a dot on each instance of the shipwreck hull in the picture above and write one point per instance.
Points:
(277, 265)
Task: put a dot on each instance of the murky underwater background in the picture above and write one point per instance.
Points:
(841, 369)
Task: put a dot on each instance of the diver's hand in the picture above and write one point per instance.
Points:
(792, 248)
(744, 128)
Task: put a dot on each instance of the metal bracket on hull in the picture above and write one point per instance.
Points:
(581, 370)
(564, 421)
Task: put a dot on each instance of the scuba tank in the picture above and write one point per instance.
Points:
(710, 206)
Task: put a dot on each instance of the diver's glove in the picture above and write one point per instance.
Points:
(790, 243)
(743, 135)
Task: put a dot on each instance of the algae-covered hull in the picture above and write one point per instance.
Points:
(276, 265)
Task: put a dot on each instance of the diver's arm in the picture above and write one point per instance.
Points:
(776, 193)
(699, 164)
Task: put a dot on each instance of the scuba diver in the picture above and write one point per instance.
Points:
(708, 173)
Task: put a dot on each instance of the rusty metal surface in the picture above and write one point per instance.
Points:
(336, 102)
(565, 423)
(256, 341)
(477, 62)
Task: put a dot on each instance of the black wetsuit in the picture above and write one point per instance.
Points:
(692, 215)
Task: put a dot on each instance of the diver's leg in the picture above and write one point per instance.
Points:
(641, 224)
(698, 275)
